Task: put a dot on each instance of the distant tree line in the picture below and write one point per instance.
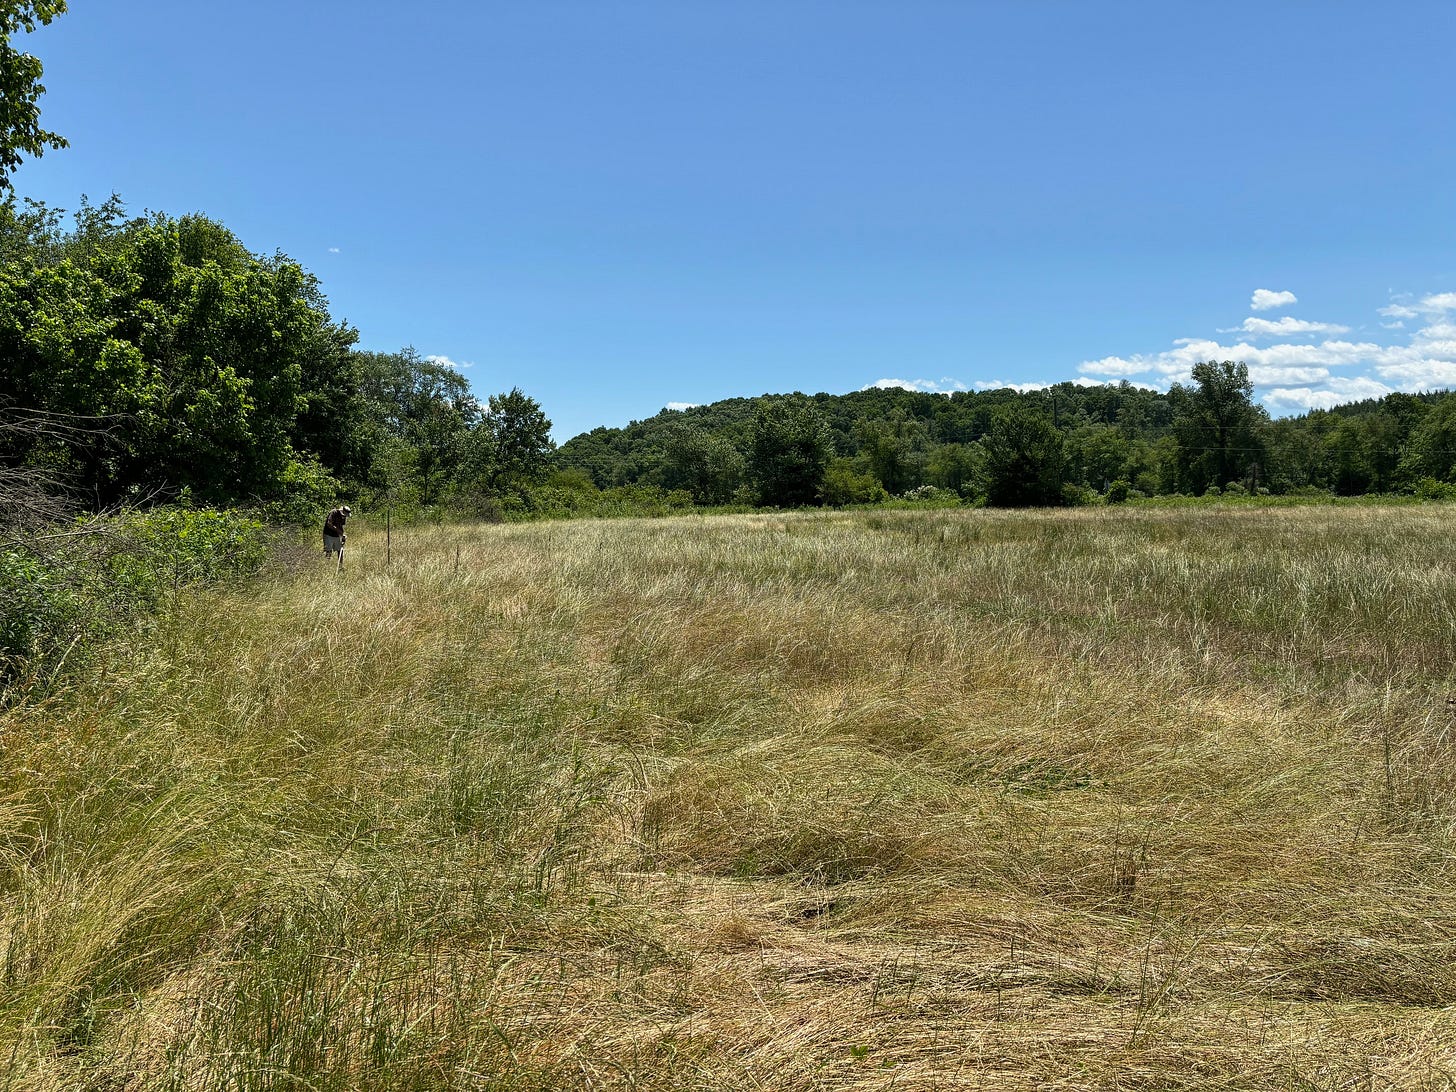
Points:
(172, 362)
(1066, 444)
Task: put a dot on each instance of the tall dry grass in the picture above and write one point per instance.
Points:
(1084, 799)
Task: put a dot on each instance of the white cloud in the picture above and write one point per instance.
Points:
(1355, 387)
(1286, 326)
(1295, 364)
(1266, 300)
(1136, 364)
(1176, 363)
(1437, 333)
(945, 385)
(1300, 399)
(333, 250)
(1421, 375)
(681, 405)
(1264, 376)
(446, 362)
(1430, 307)
(1303, 399)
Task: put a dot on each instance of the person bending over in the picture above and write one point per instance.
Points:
(334, 537)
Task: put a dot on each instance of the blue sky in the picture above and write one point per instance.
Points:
(618, 206)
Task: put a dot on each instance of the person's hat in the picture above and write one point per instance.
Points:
(347, 509)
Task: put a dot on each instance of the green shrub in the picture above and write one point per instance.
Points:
(1434, 489)
(843, 485)
(38, 609)
(1119, 491)
(306, 490)
(165, 548)
(104, 574)
(926, 496)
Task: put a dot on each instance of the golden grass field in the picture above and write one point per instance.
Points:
(1084, 799)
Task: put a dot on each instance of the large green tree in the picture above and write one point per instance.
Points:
(894, 449)
(790, 449)
(959, 467)
(1025, 458)
(510, 446)
(708, 466)
(1432, 450)
(20, 86)
(1220, 431)
(418, 415)
(1363, 453)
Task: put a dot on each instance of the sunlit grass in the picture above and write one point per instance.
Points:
(1087, 799)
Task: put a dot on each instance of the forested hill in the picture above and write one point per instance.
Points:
(1045, 446)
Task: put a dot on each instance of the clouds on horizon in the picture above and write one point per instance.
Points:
(951, 386)
(1295, 377)
(944, 385)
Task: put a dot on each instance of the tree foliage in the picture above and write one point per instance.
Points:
(1432, 449)
(708, 466)
(186, 363)
(509, 448)
(1025, 458)
(1218, 427)
(790, 449)
(20, 87)
(193, 350)
(417, 414)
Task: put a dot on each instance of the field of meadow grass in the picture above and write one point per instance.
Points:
(1080, 799)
